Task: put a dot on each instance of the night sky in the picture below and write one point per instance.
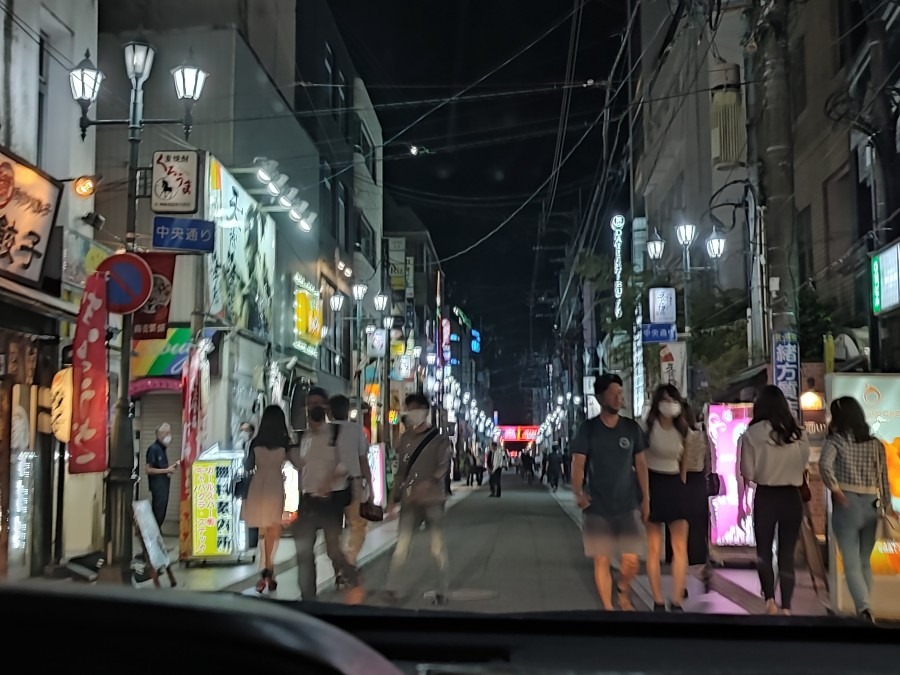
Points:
(488, 154)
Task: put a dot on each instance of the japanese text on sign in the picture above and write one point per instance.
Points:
(27, 208)
(184, 234)
(175, 177)
(786, 367)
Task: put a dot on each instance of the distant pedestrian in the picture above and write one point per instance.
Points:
(160, 472)
(497, 457)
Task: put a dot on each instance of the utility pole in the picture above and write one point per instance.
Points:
(779, 167)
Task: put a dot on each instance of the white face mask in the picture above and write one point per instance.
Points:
(415, 418)
(670, 409)
(167, 440)
(244, 436)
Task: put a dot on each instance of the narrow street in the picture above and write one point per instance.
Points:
(519, 553)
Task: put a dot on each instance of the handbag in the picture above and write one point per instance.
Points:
(371, 512)
(805, 492)
(242, 484)
(714, 485)
(888, 528)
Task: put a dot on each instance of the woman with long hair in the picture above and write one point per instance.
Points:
(774, 454)
(264, 506)
(668, 428)
(695, 469)
(854, 468)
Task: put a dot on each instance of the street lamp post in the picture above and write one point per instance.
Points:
(359, 294)
(85, 80)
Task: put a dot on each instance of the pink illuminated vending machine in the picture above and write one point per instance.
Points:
(731, 513)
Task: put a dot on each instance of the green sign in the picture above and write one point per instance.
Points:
(876, 286)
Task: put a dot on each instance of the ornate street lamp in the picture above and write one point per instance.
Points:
(656, 247)
(686, 232)
(715, 245)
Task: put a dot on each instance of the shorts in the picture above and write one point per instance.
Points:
(613, 536)
(668, 498)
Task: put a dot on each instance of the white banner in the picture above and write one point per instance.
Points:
(673, 365)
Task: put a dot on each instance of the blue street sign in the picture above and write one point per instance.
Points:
(184, 234)
(657, 333)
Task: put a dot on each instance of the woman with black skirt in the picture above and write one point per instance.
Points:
(667, 429)
(774, 454)
(695, 469)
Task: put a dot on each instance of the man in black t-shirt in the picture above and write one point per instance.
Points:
(608, 451)
(159, 471)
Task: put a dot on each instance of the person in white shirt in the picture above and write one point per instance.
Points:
(354, 450)
(774, 455)
(498, 459)
(667, 430)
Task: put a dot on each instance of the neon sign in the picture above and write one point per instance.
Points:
(517, 434)
(618, 224)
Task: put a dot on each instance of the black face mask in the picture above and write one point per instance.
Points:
(317, 414)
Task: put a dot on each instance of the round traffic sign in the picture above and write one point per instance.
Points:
(129, 282)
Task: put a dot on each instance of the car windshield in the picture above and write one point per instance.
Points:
(506, 307)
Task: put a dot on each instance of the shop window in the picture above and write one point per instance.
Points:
(367, 240)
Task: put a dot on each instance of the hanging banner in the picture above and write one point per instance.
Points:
(151, 322)
(87, 445)
(786, 367)
(673, 365)
(190, 443)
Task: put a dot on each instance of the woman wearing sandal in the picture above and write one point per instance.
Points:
(264, 506)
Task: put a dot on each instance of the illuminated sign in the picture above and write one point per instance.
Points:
(618, 224)
(307, 316)
(731, 514)
(517, 434)
(212, 502)
(886, 280)
(376, 466)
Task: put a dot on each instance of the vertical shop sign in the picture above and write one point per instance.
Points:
(151, 322)
(618, 225)
(190, 448)
(410, 277)
(673, 365)
(397, 262)
(786, 367)
(87, 447)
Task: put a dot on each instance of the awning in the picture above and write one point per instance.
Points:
(37, 301)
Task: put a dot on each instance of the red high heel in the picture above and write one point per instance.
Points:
(263, 581)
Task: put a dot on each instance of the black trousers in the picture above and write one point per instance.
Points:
(159, 502)
(496, 476)
(778, 508)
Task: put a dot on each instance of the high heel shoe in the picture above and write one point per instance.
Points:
(263, 581)
(273, 585)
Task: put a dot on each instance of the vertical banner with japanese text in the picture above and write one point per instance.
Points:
(786, 367)
(190, 444)
(87, 445)
(151, 322)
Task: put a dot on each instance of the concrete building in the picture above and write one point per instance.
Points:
(41, 152)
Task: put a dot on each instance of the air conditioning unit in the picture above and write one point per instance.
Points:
(728, 120)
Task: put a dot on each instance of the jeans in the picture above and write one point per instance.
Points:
(854, 530)
(780, 507)
(319, 514)
(411, 518)
(496, 477)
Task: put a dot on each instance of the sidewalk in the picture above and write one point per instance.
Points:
(242, 577)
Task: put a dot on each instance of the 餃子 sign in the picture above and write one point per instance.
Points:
(29, 200)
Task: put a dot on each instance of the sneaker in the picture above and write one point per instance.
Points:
(866, 616)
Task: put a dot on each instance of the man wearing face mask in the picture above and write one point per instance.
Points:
(324, 494)
(159, 471)
(419, 491)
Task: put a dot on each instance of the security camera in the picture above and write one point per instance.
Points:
(95, 220)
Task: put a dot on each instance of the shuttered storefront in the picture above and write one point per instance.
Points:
(154, 410)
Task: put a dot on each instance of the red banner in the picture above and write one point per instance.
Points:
(90, 397)
(152, 320)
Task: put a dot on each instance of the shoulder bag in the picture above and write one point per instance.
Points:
(242, 484)
(888, 526)
(408, 484)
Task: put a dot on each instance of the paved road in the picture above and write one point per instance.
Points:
(520, 553)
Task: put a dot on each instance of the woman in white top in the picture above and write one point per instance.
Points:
(667, 429)
(774, 454)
